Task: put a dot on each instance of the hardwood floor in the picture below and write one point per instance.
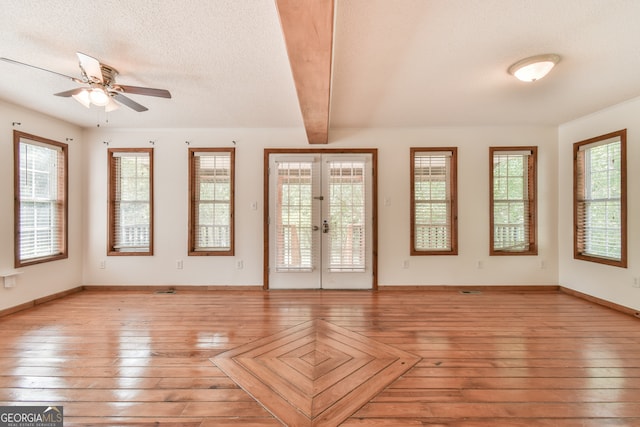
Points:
(137, 358)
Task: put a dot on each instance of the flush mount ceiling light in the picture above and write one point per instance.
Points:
(534, 68)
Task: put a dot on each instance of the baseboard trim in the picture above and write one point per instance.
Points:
(427, 288)
(483, 288)
(17, 308)
(612, 305)
(38, 301)
(181, 288)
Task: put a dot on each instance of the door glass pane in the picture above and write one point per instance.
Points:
(294, 227)
(346, 216)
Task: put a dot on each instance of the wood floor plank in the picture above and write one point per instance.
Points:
(506, 395)
(132, 422)
(502, 410)
(498, 358)
(127, 395)
(510, 422)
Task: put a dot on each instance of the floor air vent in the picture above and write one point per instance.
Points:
(470, 292)
(166, 291)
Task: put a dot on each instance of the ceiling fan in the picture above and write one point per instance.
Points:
(100, 87)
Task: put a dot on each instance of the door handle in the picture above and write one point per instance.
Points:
(325, 226)
(315, 228)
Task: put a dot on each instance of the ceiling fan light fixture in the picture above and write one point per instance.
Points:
(100, 88)
(534, 68)
(99, 97)
(83, 98)
(111, 106)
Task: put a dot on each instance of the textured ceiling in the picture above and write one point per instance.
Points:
(396, 63)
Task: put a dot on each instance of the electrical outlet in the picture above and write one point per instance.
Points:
(479, 264)
(636, 282)
(103, 264)
(405, 264)
(9, 281)
(239, 264)
(179, 264)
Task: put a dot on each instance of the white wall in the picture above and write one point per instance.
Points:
(609, 283)
(473, 207)
(39, 280)
(170, 163)
(87, 207)
(171, 207)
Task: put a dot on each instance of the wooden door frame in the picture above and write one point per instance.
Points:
(374, 202)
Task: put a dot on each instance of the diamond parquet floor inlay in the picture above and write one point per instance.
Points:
(316, 373)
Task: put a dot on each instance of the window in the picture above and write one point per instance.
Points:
(513, 200)
(40, 199)
(434, 216)
(600, 199)
(130, 201)
(211, 175)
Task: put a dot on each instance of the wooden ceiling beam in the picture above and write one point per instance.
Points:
(307, 27)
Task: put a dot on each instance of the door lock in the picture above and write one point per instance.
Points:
(325, 226)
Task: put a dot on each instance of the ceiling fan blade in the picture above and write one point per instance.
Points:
(129, 102)
(13, 61)
(90, 67)
(161, 93)
(71, 92)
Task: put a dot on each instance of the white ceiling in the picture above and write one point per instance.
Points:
(397, 63)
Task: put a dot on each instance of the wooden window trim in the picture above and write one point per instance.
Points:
(532, 182)
(111, 201)
(454, 200)
(192, 198)
(64, 232)
(623, 262)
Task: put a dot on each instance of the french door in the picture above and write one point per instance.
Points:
(320, 221)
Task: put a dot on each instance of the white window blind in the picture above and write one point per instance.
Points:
(347, 213)
(599, 202)
(131, 201)
(294, 216)
(41, 222)
(512, 200)
(212, 178)
(433, 215)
